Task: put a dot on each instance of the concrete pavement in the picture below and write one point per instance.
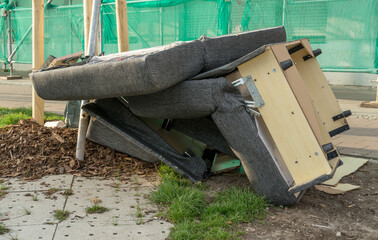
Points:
(28, 209)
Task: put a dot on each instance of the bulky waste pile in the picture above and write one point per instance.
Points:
(252, 96)
(31, 151)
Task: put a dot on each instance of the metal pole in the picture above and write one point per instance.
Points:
(99, 40)
(19, 44)
(84, 120)
(283, 12)
(93, 31)
(9, 42)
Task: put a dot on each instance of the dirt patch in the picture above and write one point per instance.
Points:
(30, 151)
(318, 215)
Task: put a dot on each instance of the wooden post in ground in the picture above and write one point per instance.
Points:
(122, 25)
(38, 55)
(87, 5)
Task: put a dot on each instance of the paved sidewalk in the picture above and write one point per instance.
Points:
(362, 138)
(28, 208)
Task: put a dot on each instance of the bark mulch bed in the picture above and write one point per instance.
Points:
(31, 151)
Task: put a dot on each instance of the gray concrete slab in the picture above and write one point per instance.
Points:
(130, 215)
(152, 230)
(30, 232)
(122, 200)
(19, 209)
(45, 183)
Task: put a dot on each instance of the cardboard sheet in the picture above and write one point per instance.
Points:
(350, 165)
(338, 189)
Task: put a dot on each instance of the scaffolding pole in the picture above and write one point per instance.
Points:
(91, 51)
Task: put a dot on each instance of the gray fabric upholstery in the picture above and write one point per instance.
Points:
(230, 67)
(225, 49)
(143, 74)
(227, 108)
(150, 70)
(128, 134)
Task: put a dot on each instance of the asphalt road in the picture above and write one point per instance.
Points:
(354, 93)
(21, 96)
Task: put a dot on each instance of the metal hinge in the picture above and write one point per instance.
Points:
(257, 99)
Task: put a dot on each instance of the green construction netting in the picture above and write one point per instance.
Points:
(346, 30)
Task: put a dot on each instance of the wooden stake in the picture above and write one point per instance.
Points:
(88, 4)
(38, 55)
(122, 25)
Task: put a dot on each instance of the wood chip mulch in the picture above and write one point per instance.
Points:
(31, 151)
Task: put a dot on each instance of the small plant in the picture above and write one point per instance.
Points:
(3, 229)
(35, 198)
(13, 238)
(52, 191)
(139, 214)
(96, 209)
(68, 192)
(3, 191)
(61, 215)
(115, 220)
(3, 187)
(27, 211)
(136, 184)
(139, 211)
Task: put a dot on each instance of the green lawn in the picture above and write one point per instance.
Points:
(196, 216)
(13, 115)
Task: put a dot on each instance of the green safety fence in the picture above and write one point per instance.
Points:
(346, 30)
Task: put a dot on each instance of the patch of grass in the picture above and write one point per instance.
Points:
(195, 217)
(61, 215)
(96, 209)
(13, 238)
(53, 190)
(68, 192)
(35, 198)
(237, 205)
(139, 214)
(115, 220)
(27, 211)
(139, 211)
(3, 229)
(13, 115)
(3, 187)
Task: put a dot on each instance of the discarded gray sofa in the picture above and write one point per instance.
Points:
(181, 81)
